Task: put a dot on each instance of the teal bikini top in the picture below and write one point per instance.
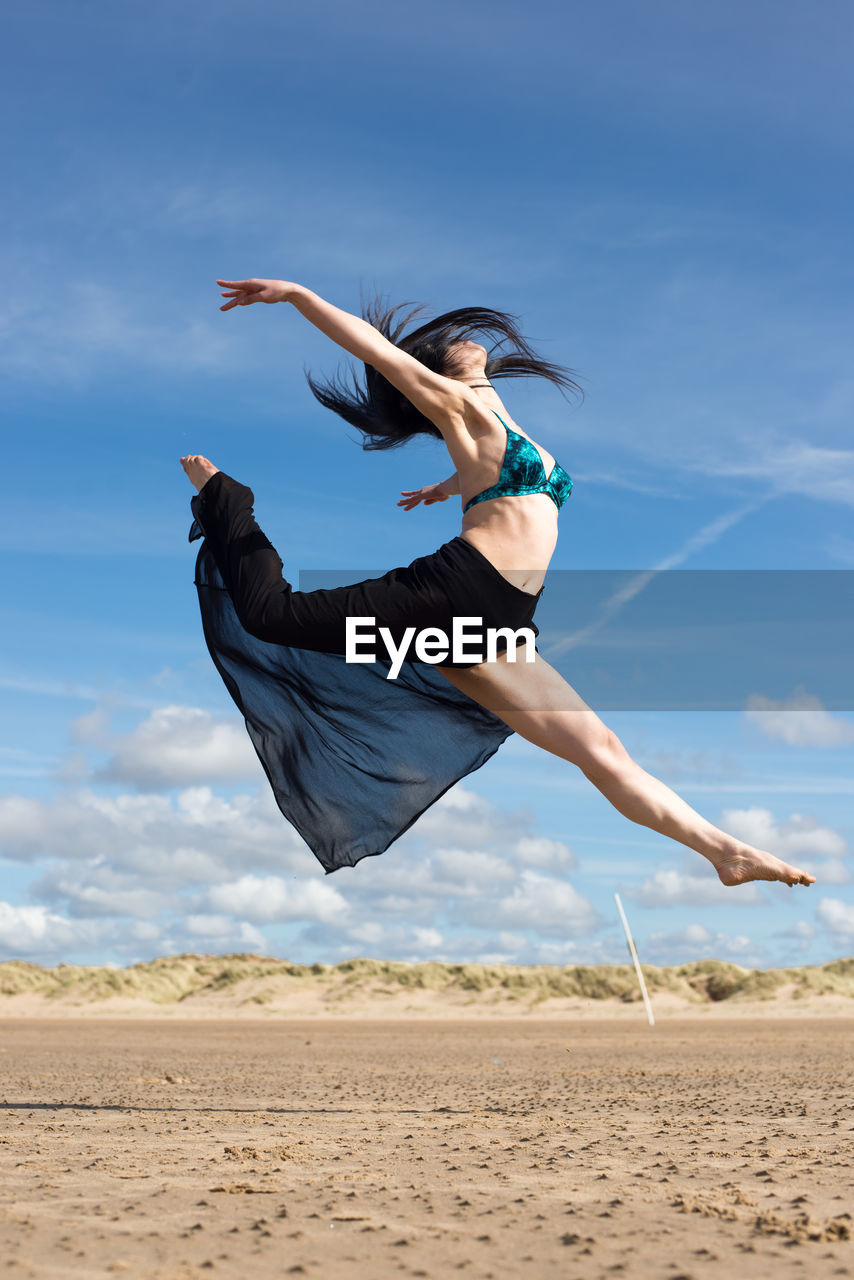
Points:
(523, 472)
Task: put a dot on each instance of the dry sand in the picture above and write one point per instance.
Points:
(581, 1147)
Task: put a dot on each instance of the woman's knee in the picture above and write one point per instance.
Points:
(605, 756)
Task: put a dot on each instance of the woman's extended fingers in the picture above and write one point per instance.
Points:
(241, 293)
(412, 497)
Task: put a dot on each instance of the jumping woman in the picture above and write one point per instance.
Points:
(353, 757)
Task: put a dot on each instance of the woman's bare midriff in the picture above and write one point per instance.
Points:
(517, 533)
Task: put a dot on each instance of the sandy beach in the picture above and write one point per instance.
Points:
(176, 1148)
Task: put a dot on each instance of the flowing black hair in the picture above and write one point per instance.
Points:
(385, 417)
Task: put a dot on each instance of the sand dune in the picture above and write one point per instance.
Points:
(261, 987)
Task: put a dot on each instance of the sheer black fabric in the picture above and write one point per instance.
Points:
(353, 758)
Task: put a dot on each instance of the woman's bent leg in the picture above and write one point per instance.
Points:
(252, 573)
(249, 564)
(535, 701)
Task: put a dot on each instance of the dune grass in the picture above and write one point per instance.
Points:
(169, 980)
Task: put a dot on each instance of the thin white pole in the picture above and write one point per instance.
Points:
(634, 956)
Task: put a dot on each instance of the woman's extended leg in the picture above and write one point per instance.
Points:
(536, 701)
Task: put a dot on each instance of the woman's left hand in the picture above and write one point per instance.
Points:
(428, 494)
(244, 292)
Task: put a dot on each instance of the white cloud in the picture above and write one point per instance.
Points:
(470, 869)
(178, 746)
(546, 855)
(831, 871)
(168, 841)
(551, 907)
(670, 888)
(384, 942)
(225, 932)
(92, 726)
(427, 939)
(370, 933)
(801, 929)
(118, 861)
(837, 917)
(462, 819)
(799, 836)
(144, 931)
(582, 950)
(800, 721)
(25, 930)
(694, 941)
(43, 936)
(100, 891)
(269, 899)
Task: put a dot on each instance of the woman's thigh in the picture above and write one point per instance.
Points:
(535, 701)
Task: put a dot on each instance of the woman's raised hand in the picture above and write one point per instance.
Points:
(244, 292)
(429, 493)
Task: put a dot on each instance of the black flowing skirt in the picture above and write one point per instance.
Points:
(353, 758)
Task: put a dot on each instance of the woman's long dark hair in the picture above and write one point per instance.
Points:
(383, 414)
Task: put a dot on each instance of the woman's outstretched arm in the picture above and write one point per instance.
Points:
(442, 400)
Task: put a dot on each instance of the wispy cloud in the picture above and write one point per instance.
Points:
(801, 721)
(695, 940)
(615, 480)
(705, 537)
(71, 690)
(68, 335)
(18, 762)
(671, 888)
(790, 467)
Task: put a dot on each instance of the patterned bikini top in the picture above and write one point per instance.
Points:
(523, 472)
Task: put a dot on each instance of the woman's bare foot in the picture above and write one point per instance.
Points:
(198, 469)
(746, 864)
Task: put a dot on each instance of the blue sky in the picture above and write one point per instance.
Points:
(662, 193)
